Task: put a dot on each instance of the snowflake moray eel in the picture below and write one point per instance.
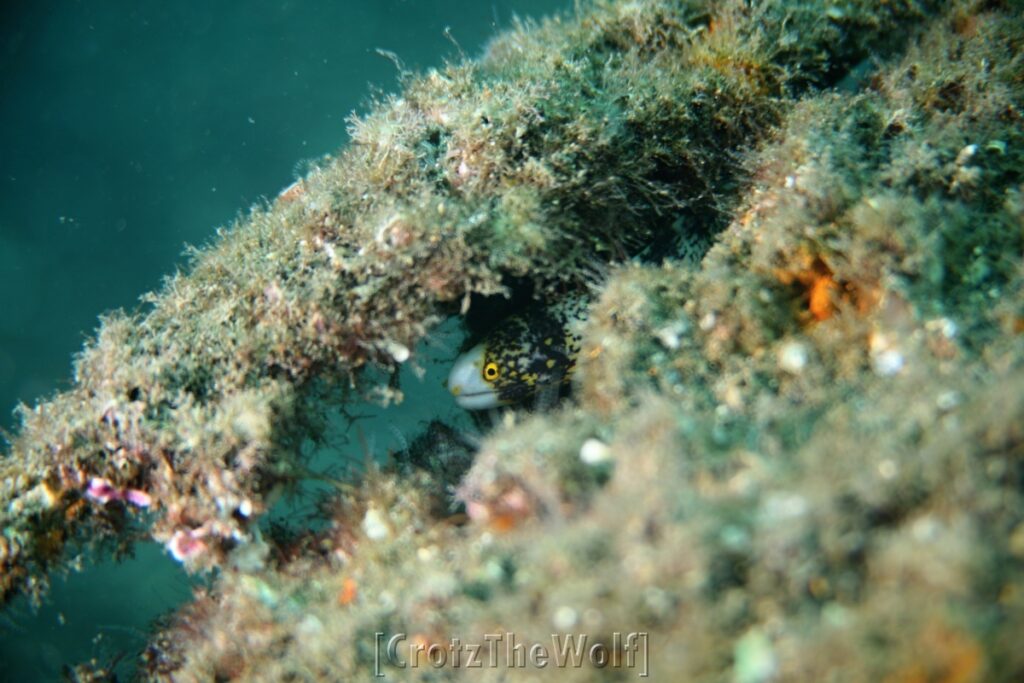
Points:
(533, 354)
(524, 356)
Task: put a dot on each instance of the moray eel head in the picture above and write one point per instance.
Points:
(467, 382)
(521, 357)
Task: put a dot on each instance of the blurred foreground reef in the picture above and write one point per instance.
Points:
(802, 459)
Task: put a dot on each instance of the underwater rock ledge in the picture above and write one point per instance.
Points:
(569, 143)
(800, 460)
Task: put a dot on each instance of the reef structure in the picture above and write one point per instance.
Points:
(800, 460)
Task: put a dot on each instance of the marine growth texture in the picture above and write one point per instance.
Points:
(798, 460)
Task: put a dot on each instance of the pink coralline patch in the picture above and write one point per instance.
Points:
(103, 491)
(185, 546)
(138, 498)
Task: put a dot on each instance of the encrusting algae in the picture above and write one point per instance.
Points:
(799, 460)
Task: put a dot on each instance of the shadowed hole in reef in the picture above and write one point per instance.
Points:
(371, 428)
(425, 429)
(375, 430)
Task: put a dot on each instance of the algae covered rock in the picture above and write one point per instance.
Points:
(797, 459)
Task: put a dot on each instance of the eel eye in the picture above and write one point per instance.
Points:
(491, 371)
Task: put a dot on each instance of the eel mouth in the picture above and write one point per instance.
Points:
(458, 393)
(475, 400)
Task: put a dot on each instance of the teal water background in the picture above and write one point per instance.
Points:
(128, 130)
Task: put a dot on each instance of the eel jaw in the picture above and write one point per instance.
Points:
(466, 382)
